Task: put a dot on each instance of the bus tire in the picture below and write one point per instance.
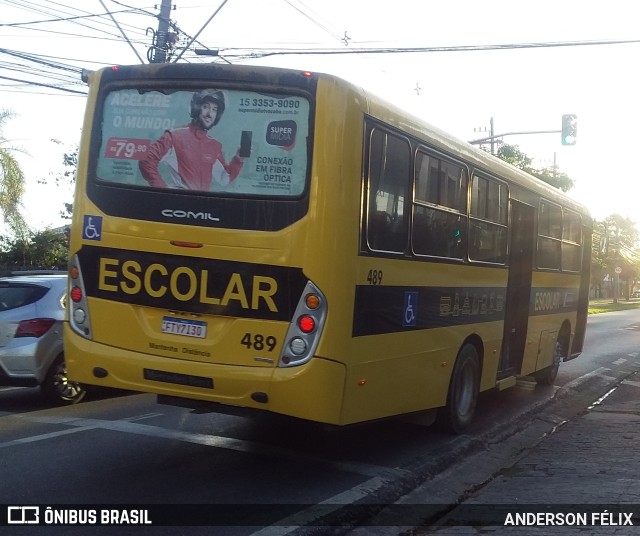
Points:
(462, 397)
(547, 376)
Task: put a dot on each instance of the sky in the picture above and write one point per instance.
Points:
(522, 89)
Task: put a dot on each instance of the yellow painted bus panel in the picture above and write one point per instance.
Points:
(546, 349)
(125, 370)
(139, 329)
(536, 342)
(313, 391)
(404, 372)
(399, 384)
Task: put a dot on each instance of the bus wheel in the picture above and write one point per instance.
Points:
(547, 375)
(463, 391)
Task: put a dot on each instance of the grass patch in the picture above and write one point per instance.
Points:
(607, 306)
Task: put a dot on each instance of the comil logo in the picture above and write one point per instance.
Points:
(169, 213)
(23, 515)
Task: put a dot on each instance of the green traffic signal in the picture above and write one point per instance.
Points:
(569, 129)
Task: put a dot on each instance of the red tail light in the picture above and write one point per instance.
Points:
(35, 327)
(76, 294)
(306, 324)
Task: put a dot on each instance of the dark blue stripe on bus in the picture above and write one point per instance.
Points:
(552, 300)
(387, 309)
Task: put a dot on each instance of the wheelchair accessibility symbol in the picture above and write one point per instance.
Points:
(410, 314)
(92, 228)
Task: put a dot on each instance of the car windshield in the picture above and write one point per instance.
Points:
(13, 295)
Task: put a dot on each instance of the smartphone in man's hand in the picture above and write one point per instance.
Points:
(245, 144)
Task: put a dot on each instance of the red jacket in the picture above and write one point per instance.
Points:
(190, 155)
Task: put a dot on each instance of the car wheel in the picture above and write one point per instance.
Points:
(58, 388)
(463, 392)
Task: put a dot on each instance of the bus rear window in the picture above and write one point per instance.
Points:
(206, 140)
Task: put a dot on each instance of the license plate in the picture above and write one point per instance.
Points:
(188, 328)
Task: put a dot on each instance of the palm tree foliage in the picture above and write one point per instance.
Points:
(12, 181)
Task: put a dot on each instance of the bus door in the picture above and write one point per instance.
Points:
(518, 289)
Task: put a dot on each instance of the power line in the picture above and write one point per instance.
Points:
(70, 14)
(43, 67)
(264, 52)
(42, 71)
(314, 18)
(138, 9)
(200, 30)
(60, 19)
(38, 59)
(31, 82)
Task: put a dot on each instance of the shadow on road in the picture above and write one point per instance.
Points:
(26, 399)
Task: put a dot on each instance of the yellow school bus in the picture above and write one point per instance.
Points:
(278, 240)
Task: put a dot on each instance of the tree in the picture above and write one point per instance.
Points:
(616, 246)
(12, 182)
(621, 231)
(46, 249)
(555, 178)
(514, 156)
(70, 161)
(67, 177)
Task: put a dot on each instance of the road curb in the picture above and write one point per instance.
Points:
(428, 482)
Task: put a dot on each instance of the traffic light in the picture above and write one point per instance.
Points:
(569, 129)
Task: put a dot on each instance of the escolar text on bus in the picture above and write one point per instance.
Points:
(184, 284)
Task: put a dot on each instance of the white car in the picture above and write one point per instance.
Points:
(32, 312)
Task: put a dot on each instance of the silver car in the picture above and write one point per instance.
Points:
(32, 312)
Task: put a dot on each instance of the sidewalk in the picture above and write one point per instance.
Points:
(559, 483)
(591, 464)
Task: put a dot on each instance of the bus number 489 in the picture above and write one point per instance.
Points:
(374, 277)
(258, 342)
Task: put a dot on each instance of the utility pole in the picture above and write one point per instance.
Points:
(159, 48)
(618, 269)
(491, 138)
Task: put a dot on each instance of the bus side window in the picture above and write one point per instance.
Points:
(389, 165)
(488, 225)
(438, 233)
(439, 212)
(549, 235)
(571, 241)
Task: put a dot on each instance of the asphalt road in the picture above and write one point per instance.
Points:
(124, 449)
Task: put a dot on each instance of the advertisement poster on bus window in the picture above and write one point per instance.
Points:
(210, 140)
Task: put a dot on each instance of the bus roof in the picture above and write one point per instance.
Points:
(438, 138)
(378, 107)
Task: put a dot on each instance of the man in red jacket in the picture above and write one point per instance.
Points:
(194, 160)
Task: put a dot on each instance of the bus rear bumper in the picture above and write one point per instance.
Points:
(312, 391)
